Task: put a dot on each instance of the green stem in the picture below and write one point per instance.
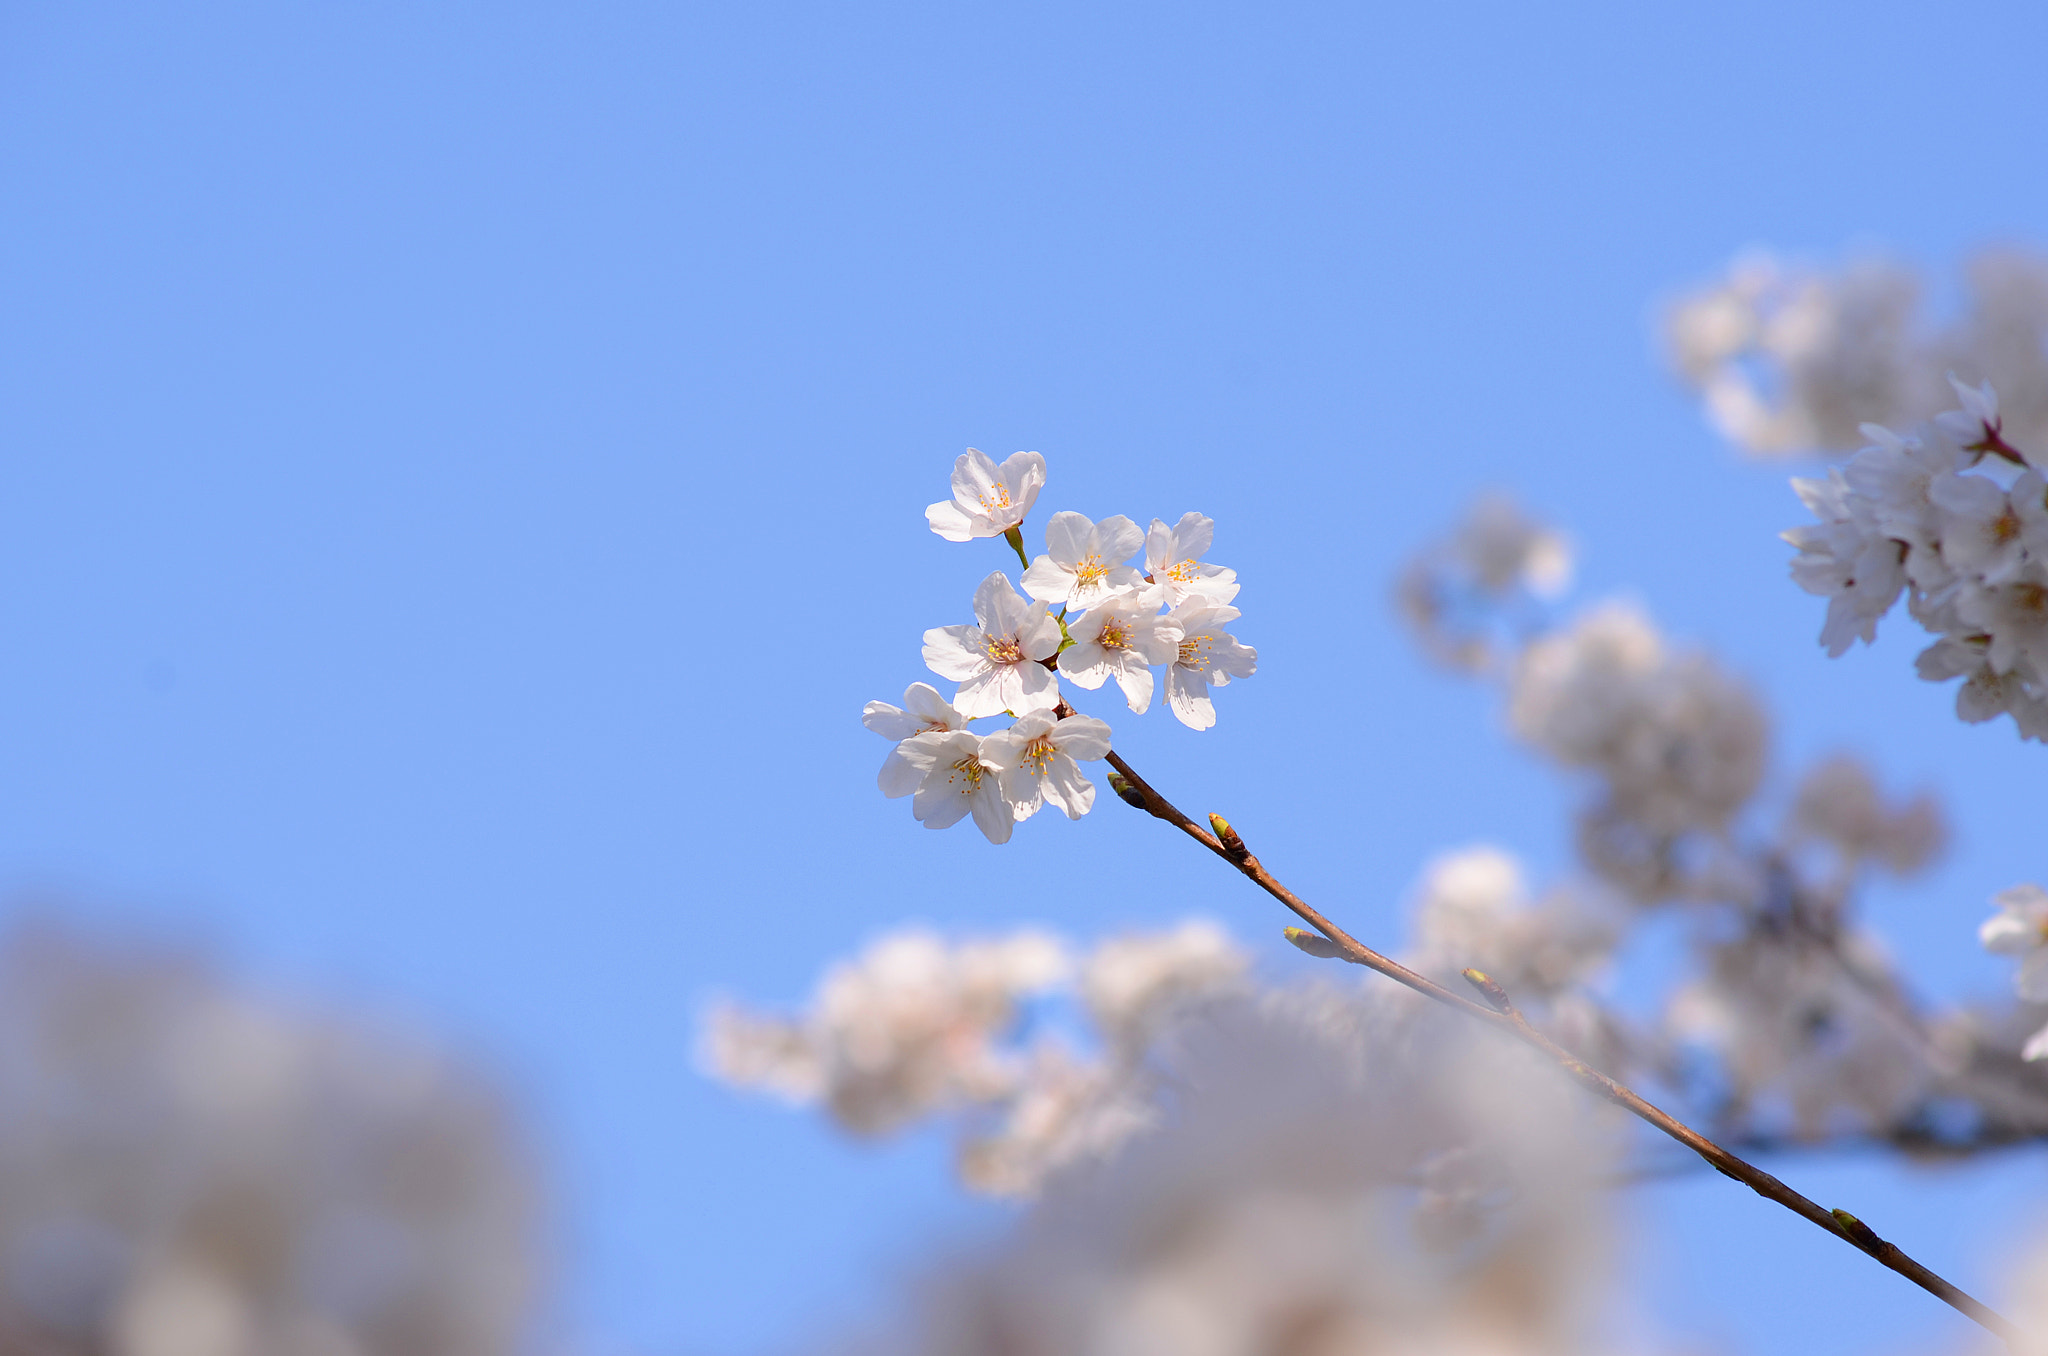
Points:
(1016, 540)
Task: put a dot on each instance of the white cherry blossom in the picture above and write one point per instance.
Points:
(1205, 655)
(1173, 560)
(988, 500)
(1084, 561)
(1035, 758)
(924, 712)
(1121, 638)
(999, 663)
(2020, 928)
(951, 780)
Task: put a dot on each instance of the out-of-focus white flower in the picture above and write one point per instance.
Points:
(923, 712)
(1473, 908)
(1790, 360)
(1132, 983)
(1463, 593)
(1121, 638)
(2020, 928)
(1173, 560)
(988, 500)
(1678, 743)
(948, 778)
(1035, 762)
(1205, 655)
(193, 1170)
(1067, 1110)
(1838, 803)
(912, 1025)
(1084, 561)
(1501, 547)
(1817, 1027)
(999, 663)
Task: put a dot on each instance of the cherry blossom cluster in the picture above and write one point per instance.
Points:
(1792, 361)
(917, 1027)
(1955, 517)
(1129, 600)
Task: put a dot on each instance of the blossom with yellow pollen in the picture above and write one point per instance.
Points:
(1121, 638)
(1173, 559)
(1206, 656)
(999, 664)
(988, 500)
(1084, 561)
(924, 713)
(953, 780)
(1035, 758)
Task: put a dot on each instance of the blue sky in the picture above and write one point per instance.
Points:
(464, 469)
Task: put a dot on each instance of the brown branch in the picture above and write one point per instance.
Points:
(1226, 843)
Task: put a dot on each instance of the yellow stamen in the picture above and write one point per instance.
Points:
(995, 497)
(1003, 650)
(1194, 652)
(1090, 572)
(967, 775)
(1037, 756)
(1114, 635)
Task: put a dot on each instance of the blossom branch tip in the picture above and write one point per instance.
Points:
(1490, 990)
(1233, 846)
(1313, 943)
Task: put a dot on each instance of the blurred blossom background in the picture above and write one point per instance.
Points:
(464, 469)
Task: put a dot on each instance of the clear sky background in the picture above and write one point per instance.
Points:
(464, 466)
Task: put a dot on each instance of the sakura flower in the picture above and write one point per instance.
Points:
(1173, 559)
(924, 712)
(1121, 638)
(1976, 426)
(1206, 655)
(2020, 928)
(1980, 533)
(1083, 563)
(951, 780)
(1036, 759)
(1894, 474)
(999, 664)
(988, 500)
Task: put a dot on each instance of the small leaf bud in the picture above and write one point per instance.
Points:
(1314, 943)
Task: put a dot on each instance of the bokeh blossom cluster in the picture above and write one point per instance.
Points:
(192, 1169)
(1129, 601)
(1793, 360)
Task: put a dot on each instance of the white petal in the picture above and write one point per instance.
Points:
(1069, 537)
(1136, 680)
(1067, 787)
(1187, 696)
(1081, 737)
(950, 522)
(1047, 582)
(956, 653)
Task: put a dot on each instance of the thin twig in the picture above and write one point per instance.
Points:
(1502, 1014)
